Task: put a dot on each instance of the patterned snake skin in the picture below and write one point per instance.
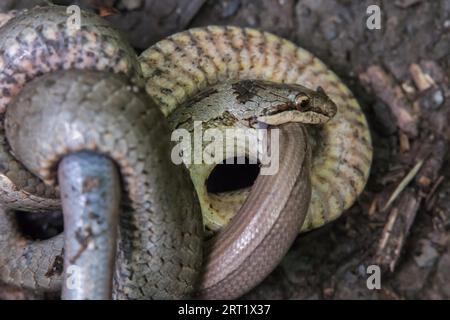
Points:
(178, 67)
(102, 111)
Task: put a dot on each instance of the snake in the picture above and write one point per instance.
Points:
(176, 71)
(80, 73)
(180, 66)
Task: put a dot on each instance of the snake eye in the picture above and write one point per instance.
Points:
(301, 101)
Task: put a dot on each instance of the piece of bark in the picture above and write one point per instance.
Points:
(396, 229)
(434, 70)
(403, 211)
(422, 80)
(385, 88)
(404, 142)
(432, 166)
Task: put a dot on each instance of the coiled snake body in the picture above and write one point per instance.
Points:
(183, 64)
(99, 111)
(175, 71)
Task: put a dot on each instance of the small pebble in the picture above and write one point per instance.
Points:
(132, 4)
(330, 30)
(438, 98)
(229, 8)
(427, 256)
(432, 99)
(251, 20)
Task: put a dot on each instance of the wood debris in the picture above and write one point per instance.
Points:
(401, 186)
(391, 94)
(422, 80)
(396, 229)
(404, 142)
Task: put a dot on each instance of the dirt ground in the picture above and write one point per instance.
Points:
(400, 76)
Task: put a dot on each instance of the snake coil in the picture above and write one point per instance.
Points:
(97, 108)
(65, 91)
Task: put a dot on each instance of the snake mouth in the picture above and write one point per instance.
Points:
(306, 117)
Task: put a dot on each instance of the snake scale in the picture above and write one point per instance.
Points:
(175, 71)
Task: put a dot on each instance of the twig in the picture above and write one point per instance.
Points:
(392, 95)
(396, 229)
(406, 180)
(432, 191)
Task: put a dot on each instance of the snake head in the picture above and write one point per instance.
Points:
(317, 104)
(299, 104)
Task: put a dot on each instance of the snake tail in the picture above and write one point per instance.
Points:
(160, 235)
(90, 193)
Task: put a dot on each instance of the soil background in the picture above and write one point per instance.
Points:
(400, 76)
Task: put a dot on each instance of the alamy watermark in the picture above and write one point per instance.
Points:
(373, 21)
(374, 280)
(214, 146)
(74, 19)
(73, 277)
